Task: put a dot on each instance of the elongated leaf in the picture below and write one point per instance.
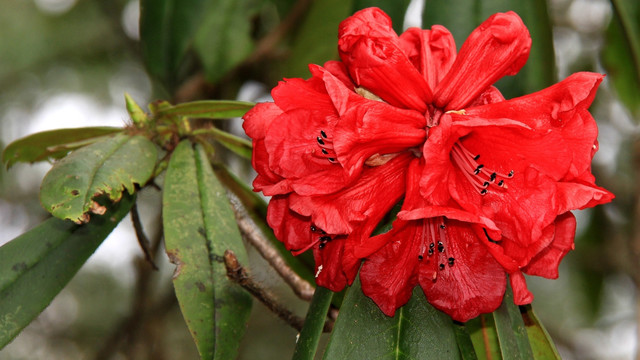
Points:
(208, 109)
(396, 9)
(417, 331)
(167, 28)
(52, 144)
(234, 143)
(512, 334)
(621, 53)
(35, 266)
(198, 227)
(307, 344)
(315, 42)
(541, 343)
(224, 39)
(109, 166)
(465, 345)
(484, 337)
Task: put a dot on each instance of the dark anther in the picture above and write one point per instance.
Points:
(324, 151)
(322, 232)
(325, 238)
(313, 228)
(477, 170)
(510, 173)
(324, 134)
(331, 159)
(483, 192)
(321, 245)
(432, 245)
(441, 266)
(442, 226)
(420, 257)
(476, 157)
(440, 246)
(493, 177)
(501, 183)
(430, 252)
(320, 140)
(450, 261)
(486, 183)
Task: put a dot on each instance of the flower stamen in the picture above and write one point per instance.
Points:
(326, 147)
(478, 175)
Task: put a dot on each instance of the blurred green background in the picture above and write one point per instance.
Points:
(67, 63)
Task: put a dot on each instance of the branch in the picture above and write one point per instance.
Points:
(250, 232)
(143, 240)
(239, 275)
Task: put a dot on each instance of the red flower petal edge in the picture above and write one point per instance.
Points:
(486, 185)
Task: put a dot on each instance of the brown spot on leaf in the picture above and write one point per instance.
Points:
(19, 266)
(200, 286)
(97, 208)
(174, 258)
(75, 192)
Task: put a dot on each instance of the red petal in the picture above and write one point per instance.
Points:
(498, 47)
(289, 227)
(521, 295)
(371, 51)
(546, 263)
(369, 199)
(335, 266)
(389, 276)
(475, 284)
(368, 127)
(431, 51)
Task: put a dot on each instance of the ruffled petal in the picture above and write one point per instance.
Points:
(546, 263)
(336, 267)
(498, 47)
(389, 275)
(369, 199)
(521, 295)
(431, 51)
(371, 51)
(464, 280)
(369, 127)
(288, 226)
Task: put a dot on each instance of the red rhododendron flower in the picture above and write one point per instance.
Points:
(487, 185)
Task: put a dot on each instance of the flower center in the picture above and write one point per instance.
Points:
(436, 251)
(478, 175)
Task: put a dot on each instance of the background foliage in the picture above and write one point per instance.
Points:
(68, 63)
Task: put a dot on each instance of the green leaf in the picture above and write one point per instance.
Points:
(315, 41)
(396, 9)
(307, 343)
(541, 343)
(199, 226)
(465, 345)
(52, 144)
(224, 38)
(138, 116)
(512, 334)
(208, 109)
(109, 166)
(484, 337)
(417, 331)
(35, 266)
(234, 143)
(167, 28)
(621, 53)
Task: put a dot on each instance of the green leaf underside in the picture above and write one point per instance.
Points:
(199, 226)
(109, 166)
(541, 343)
(35, 266)
(307, 344)
(52, 144)
(302, 264)
(417, 331)
(208, 109)
(512, 334)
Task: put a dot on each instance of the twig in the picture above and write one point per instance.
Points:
(300, 287)
(239, 275)
(143, 240)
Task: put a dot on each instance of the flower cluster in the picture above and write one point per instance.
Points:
(486, 184)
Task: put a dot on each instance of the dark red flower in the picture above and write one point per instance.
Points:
(486, 184)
